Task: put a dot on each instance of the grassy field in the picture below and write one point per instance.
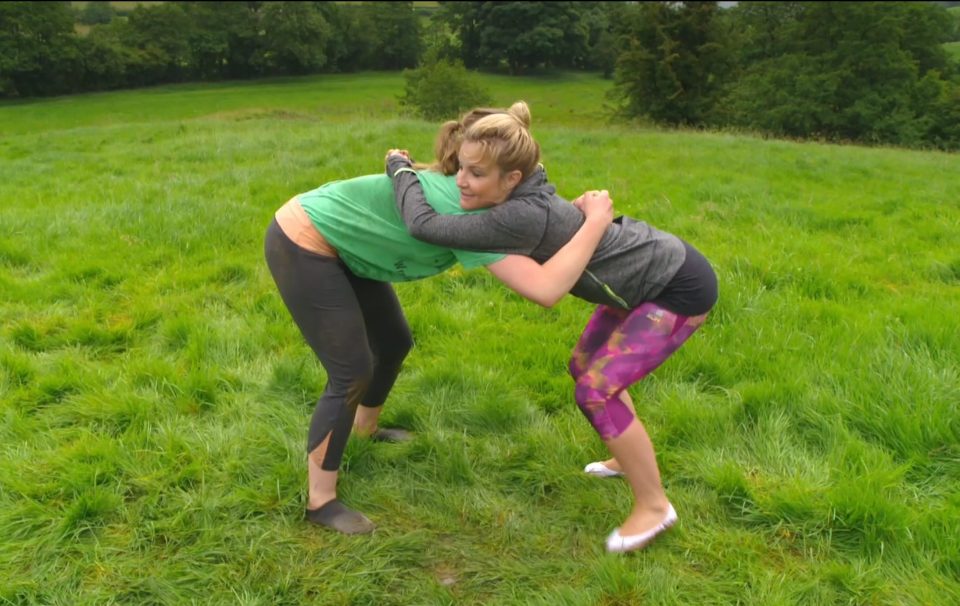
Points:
(154, 394)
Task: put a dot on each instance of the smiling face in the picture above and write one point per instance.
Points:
(482, 184)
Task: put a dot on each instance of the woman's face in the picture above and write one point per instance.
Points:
(482, 184)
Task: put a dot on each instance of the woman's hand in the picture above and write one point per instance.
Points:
(596, 205)
(398, 152)
(547, 283)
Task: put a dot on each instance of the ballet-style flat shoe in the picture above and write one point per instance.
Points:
(601, 471)
(337, 516)
(617, 543)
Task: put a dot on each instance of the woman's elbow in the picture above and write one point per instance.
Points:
(547, 300)
(420, 231)
(416, 230)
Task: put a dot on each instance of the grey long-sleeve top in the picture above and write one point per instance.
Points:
(632, 263)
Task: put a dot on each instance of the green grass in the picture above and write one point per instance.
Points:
(154, 394)
(341, 99)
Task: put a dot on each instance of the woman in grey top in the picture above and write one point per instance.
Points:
(653, 290)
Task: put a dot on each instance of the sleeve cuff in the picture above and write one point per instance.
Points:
(395, 163)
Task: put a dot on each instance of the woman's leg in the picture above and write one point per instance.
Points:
(318, 293)
(633, 451)
(389, 338)
(641, 342)
(612, 464)
(594, 336)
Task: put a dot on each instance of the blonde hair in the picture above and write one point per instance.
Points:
(505, 139)
(504, 135)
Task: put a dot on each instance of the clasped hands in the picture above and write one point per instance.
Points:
(398, 152)
(596, 205)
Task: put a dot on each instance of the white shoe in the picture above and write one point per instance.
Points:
(600, 470)
(617, 543)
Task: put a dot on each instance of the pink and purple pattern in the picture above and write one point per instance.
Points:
(618, 348)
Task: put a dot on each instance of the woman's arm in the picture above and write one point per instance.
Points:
(482, 231)
(548, 283)
(543, 284)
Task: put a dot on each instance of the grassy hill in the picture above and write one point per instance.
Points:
(154, 394)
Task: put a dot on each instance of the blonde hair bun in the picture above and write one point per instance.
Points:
(521, 112)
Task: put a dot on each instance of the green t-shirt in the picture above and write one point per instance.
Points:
(359, 218)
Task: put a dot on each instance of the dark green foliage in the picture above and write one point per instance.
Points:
(161, 34)
(602, 50)
(224, 39)
(862, 71)
(944, 114)
(293, 35)
(38, 50)
(96, 12)
(673, 61)
(398, 34)
(463, 20)
(108, 62)
(955, 25)
(873, 72)
(372, 35)
(442, 90)
(41, 54)
(522, 35)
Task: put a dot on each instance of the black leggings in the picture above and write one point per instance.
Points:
(355, 326)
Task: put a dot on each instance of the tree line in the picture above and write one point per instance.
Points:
(874, 72)
(41, 52)
(871, 72)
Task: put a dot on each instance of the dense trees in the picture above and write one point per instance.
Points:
(860, 71)
(521, 36)
(864, 71)
(42, 54)
(98, 11)
(672, 62)
(38, 51)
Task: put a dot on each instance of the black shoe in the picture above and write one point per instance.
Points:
(334, 514)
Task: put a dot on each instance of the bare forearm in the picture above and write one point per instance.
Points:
(546, 284)
(564, 268)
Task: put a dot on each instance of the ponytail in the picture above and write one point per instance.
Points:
(446, 148)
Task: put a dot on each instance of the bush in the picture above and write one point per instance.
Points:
(442, 90)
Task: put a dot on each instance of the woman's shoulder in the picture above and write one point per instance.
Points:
(540, 197)
(432, 175)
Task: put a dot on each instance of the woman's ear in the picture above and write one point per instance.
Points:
(513, 179)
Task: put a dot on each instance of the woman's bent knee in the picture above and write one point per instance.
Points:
(607, 413)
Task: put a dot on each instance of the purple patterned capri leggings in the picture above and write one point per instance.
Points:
(618, 348)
